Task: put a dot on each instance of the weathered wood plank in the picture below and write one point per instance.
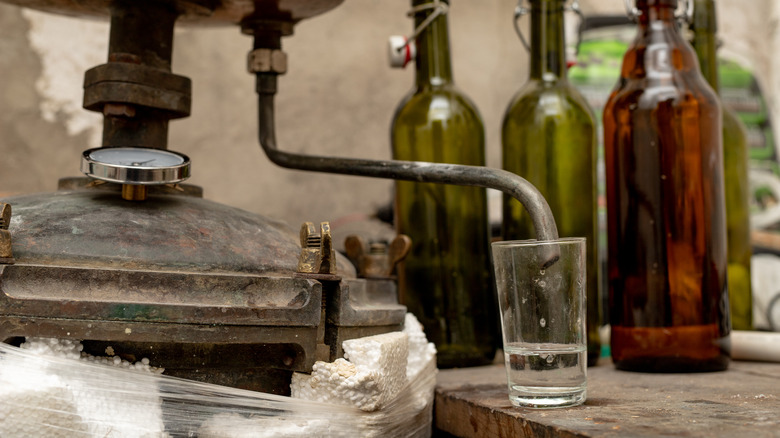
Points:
(743, 401)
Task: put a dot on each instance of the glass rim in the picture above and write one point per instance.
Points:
(534, 242)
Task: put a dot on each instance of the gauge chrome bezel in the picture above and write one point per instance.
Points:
(139, 175)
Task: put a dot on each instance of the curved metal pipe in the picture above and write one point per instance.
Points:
(417, 171)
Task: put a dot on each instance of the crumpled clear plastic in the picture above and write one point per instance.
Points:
(43, 395)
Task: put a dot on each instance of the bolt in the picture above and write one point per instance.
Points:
(317, 253)
(378, 248)
(309, 237)
(377, 259)
(6, 252)
(5, 216)
(309, 261)
(327, 253)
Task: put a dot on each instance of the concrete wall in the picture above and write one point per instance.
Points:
(337, 98)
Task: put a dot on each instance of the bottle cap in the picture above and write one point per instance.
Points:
(400, 51)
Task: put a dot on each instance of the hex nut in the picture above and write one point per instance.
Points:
(267, 61)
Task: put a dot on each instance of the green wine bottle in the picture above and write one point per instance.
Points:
(735, 163)
(445, 280)
(549, 138)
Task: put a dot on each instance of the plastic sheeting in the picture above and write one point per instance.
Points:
(47, 395)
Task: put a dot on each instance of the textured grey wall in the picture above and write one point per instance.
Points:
(337, 98)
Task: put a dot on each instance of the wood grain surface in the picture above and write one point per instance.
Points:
(741, 402)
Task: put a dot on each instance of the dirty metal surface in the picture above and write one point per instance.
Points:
(740, 402)
(99, 230)
(208, 12)
(191, 298)
(364, 303)
(359, 308)
(262, 359)
(82, 182)
(260, 367)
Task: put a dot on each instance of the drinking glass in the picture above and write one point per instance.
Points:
(541, 293)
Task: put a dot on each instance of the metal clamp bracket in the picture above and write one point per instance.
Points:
(317, 253)
(6, 253)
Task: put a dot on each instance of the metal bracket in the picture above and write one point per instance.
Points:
(317, 253)
(6, 252)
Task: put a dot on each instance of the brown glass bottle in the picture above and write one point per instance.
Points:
(665, 206)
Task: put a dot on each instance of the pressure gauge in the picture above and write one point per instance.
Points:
(135, 166)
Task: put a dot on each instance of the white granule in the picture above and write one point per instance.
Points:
(46, 395)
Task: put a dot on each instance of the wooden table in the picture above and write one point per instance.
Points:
(743, 402)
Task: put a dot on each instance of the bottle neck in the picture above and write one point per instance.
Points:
(656, 11)
(433, 49)
(705, 41)
(548, 57)
(657, 23)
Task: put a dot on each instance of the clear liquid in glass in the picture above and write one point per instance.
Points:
(546, 375)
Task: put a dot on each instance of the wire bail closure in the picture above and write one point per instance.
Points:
(521, 10)
(687, 15)
(439, 8)
(401, 49)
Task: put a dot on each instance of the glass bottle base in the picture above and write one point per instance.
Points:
(670, 349)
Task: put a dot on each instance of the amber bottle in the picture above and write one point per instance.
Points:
(666, 214)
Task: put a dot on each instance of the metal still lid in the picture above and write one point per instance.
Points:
(97, 229)
(208, 12)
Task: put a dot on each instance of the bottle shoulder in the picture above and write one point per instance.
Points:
(732, 122)
(540, 99)
(734, 131)
(678, 92)
(442, 103)
(657, 69)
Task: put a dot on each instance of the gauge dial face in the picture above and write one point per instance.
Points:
(136, 157)
(144, 166)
